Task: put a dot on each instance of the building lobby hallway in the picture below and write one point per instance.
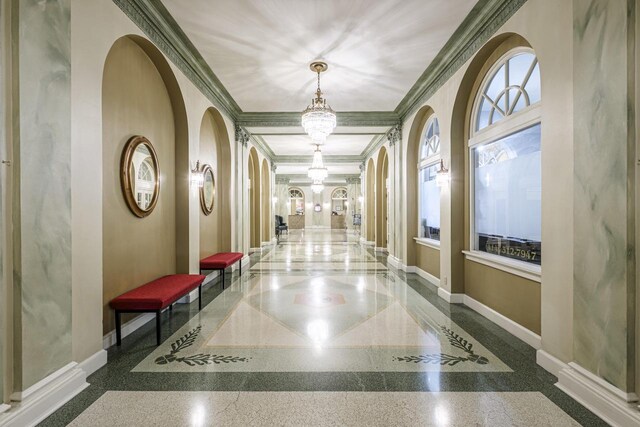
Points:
(319, 331)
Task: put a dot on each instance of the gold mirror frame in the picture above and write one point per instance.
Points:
(207, 209)
(126, 178)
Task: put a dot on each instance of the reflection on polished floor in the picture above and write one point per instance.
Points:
(321, 332)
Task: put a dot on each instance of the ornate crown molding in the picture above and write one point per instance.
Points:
(292, 119)
(353, 180)
(328, 159)
(242, 136)
(394, 135)
(282, 180)
(157, 23)
(478, 27)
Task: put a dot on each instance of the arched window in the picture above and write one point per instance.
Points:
(339, 200)
(506, 176)
(145, 183)
(429, 192)
(296, 201)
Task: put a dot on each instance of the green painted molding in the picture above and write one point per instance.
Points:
(484, 20)
(328, 159)
(373, 146)
(346, 118)
(331, 178)
(478, 27)
(157, 23)
(262, 146)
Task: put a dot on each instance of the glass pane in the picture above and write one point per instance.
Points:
(483, 114)
(497, 84)
(533, 85)
(507, 196)
(429, 204)
(519, 67)
(520, 103)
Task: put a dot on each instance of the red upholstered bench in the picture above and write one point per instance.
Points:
(155, 296)
(220, 261)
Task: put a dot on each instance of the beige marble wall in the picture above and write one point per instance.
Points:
(42, 211)
(604, 267)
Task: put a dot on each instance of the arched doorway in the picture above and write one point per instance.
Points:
(370, 202)
(254, 199)
(266, 203)
(215, 232)
(140, 96)
(382, 197)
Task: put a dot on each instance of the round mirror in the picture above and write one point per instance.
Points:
(208, 190)
(139, 176)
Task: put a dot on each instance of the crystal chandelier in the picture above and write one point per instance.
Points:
(317, 171)
(317, 186)
(318, 119)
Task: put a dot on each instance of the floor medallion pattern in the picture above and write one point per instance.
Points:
(301, 321)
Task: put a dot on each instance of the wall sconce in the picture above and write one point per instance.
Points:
(346, 203)
(361, 199)
(275, 200)
(197, 177)
(442, 176)
(249, 183)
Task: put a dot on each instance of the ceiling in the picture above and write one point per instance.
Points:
(376, 50)
(261, 50)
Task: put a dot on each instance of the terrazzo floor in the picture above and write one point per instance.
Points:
(320, 331)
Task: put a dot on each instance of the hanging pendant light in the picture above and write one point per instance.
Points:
(317, 171)
(442, 175)
(318, 119)
(317, 186)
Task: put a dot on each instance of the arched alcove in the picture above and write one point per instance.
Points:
(254, 199)
(411, 160)
(140, 96)
(370, 201)
(382, 197)
(266, 201)
(511, 295)
(215, 150)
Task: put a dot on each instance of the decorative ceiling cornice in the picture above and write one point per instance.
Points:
(335, 178)
(157, 23)
(262, 147)
(373, 146)
(327, 159)
(484, 20)
(477, 28)
(346, 118)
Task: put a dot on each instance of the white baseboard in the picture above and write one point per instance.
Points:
(132, 325)
(265, 244)
(367, 243)
(394, 262)
(427, 276)
(449, 297)
(46, 396)
(598, 396)
(255, 250)
(381, 250)
(245, 261)
(408, 268)
(504, 322)
(4, 407)
(94, 362)
(549, 362)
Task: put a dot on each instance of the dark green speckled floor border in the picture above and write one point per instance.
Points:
(520, 357)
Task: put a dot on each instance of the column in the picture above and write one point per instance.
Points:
(604, 205)
(242, 195)
(394, 136)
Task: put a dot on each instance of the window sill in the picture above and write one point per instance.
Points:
(517, 268)
(430, 243)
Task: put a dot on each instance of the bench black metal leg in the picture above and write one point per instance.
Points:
(118, 329)
(241, 267)
(222, 273)
(158, 333)
(200, 297)
(171, 307)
